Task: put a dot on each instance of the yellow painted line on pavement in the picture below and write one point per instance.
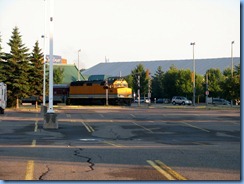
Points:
(196, 127)
(33, 144)
(88, 127)
(142, 127)
(133, 115)
(36, 126)
(170, 171)
(102, 116)
(29, 170)
(110, 143)
(165, 170)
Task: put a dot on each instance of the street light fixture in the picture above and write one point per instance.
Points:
(78, 73)
(194, 76)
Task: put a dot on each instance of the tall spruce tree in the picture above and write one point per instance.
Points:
(36, 72)
(157, 83)
(2, 73)
(140, 71)
(18, 69)
(58, 75)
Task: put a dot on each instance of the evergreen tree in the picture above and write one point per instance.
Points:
(36, 72)
(129, 80)
(140, 71)
(157, 84)
(58, 75)
(2, 64)
(18, 69)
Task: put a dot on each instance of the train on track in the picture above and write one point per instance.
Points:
(110, 91)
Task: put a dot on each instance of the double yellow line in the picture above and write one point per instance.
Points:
(88, 127)
(165, 170)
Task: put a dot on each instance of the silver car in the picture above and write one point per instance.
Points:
(180, 100)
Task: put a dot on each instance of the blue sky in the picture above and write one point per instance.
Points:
(127, 30)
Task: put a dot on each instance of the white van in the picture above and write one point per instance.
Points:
(3, 97)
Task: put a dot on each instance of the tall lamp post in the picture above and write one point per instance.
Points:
(232, 67)
(50, 118)
(44, 70)
(78, 73)
(44, 57)
(232, 43)
(194, 75)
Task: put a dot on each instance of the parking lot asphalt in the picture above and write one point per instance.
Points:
(122, 143)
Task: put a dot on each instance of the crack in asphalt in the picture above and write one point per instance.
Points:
(114, 134)
(45, 173)
(78, 154)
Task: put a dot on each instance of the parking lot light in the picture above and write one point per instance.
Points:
(194, 75)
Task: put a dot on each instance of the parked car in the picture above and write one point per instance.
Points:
(141, 100)
(147, 100)
(160, 100)
(180, 100)
(163, 100)
(220, 101)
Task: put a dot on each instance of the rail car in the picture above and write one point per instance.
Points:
(94, 92)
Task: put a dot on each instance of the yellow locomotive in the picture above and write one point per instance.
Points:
(94, 92)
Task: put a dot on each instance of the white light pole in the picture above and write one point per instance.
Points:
(50, 118)
(232, 67)
(194, 75)
(138, 90)
(44, 57)
(50, 107)
(44, 71)
(232, 43)
(78, 73)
